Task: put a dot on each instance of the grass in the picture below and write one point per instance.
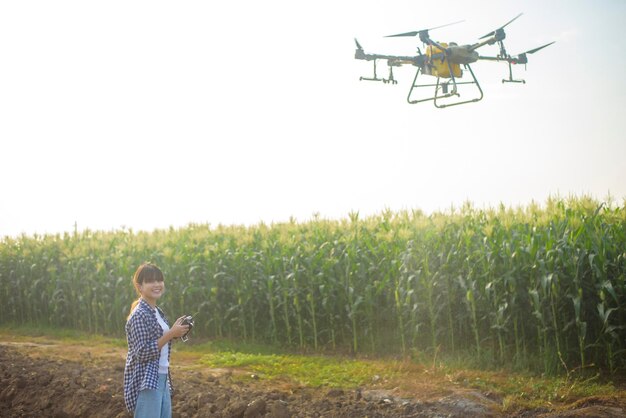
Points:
(35, 333)
(527, 391)
(271, 365)
(312, 371)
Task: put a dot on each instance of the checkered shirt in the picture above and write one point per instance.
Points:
(142, 363)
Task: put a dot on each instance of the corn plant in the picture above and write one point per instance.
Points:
(543, 283)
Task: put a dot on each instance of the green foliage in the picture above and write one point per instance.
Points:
(539, 288)
(312, 371)
(531, 392)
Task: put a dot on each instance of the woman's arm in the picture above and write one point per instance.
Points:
(141, 343)
(177, 330)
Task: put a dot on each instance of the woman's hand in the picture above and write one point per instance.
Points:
(178, 329)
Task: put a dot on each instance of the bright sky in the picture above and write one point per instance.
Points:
(147, 114)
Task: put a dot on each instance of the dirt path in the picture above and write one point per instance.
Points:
(62, 380)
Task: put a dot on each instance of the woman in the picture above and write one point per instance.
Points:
(147, 382)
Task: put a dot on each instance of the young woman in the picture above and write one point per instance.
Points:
(147, 382)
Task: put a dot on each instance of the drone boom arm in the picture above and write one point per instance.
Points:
(516, 59)
(394, 59)
(489, 41)
(493, 58)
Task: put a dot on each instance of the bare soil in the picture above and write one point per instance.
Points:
(70, 380)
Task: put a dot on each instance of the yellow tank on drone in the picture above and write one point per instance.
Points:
(439, 65)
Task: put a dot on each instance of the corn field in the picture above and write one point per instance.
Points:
(538, 288)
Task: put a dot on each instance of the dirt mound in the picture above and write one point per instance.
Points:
(56, 388)
(45, 385)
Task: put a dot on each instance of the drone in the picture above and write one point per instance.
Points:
(443, 61)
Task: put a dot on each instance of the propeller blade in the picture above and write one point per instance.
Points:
(511, 21)
(358, 45)
(447, 24)
(417, 32)
(532, 51)
(501, 27)
(404, 34)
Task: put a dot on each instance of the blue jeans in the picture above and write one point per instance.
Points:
(155, 403)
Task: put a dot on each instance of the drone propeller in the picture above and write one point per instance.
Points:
(500, 28)
(532, 51)
(417, 32)
(522, 58)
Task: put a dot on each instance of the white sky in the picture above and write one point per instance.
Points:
(147, 114)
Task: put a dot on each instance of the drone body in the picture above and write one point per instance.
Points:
(444, 61)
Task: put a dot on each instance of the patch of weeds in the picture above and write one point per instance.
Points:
(527, 391)
(217, 345)
(314, 371)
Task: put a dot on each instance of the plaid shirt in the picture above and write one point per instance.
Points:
(142, 363)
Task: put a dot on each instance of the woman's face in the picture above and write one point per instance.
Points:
(152, 290)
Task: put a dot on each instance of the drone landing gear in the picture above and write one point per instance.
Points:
(390, 80)
(445, 89)
(511, 80)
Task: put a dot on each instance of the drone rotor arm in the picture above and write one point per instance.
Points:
(481, 44)
(439, 46)
(393, 60)
(480, 57)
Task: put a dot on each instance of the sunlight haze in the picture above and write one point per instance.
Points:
(153, 114)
